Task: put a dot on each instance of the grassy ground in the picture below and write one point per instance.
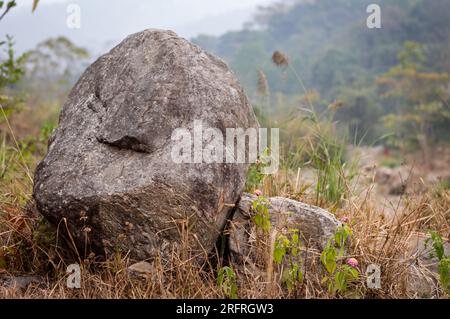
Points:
(31, 247)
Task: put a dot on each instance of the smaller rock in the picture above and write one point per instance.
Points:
(315, 225)
(421, 283)
(142, 269)
(394, 180)
(21, 282)
(423, 275)
(421, 248)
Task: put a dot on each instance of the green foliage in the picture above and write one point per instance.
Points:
(280, 249)
(46, 130)
(411, 57)
(322, 148)
(444, 260)
(254, 177)
(288, 249)
(326, 154)
(338, 275)
(262, 218)
(11, 71)
(343, 277)
(392, 162)
(44, 235)
(11, 68)
(442, 186)
(420, 96)
(343, 234)
(13, 159)
(328, 258)
(226, 280)
(292, 275)
(255, 172)
(9, 5)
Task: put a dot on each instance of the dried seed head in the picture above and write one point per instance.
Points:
(83, 216)
(263, 85)
(280, 59)
(87, 229)
(129, 225)
(336, 105)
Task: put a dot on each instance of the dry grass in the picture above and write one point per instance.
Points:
(28, 246)
(31, 247)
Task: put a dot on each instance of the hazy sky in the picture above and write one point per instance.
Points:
(106, 22)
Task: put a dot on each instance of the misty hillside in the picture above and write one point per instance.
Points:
(335, 53)
(329, 44)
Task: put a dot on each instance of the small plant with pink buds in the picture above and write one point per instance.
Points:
(338, 274)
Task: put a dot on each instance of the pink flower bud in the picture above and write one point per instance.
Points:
(352, 262)
(257, 192)
(345, 219)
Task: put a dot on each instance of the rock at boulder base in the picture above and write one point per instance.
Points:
(109, 178)
(314, 225)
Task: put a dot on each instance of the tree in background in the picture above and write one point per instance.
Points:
(421, 100)
(52, 68)
(11, 68)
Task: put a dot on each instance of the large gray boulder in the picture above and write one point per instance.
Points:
(109, 178)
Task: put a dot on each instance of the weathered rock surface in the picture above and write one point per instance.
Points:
(20, 282)
(142, 269)
(109, 170)
(393, 179)
(315, 225)
(423, 273)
